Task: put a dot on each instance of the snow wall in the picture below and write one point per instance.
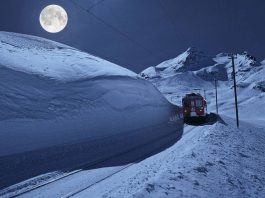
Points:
(48, 125)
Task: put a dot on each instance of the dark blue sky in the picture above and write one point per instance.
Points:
(164, 28)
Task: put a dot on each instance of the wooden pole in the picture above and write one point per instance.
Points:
(216, 96)
(235, 89)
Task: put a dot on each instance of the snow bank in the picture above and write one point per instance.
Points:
(62, 100)
(48, 126)
(35, 110)
(217, 161)
(60, 105)
(47, 58)
(72, 95)
(209, 161)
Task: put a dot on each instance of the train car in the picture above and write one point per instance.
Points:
(194, 107)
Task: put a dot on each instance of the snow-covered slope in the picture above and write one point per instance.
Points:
(56, 101)
(215, 160)
(190, 60)
(47, 89)
(40, 56)
(211, 160)
(250, 76)
(246, 67)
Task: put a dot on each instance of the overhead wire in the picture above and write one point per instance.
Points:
(170, 17)
(95, 5)
(115, 29)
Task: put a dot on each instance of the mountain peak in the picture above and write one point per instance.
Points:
(190, 60)
(194, 50)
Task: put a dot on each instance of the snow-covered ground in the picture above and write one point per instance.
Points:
(215, 160)
(59, 106)
(210, 160)
(182, 79)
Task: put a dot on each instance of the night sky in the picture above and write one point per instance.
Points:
(140, 33)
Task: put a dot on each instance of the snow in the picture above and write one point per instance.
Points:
(74, 111)
(214, 159)
(190, 60)
(218, 72)
(60, 105)
(207, 158)
(151, 71)
(250, 78)
(36, 55)
(220, 161)
(34, 103)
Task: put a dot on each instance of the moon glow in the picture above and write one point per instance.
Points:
(53, 18)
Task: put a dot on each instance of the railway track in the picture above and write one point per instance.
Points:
(166, 139)
(93, 184)
(72, 194)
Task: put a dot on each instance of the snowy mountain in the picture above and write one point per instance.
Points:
(174, 81)
(248, 71)
(190, 60)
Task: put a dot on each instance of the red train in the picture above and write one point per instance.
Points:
(194, 107)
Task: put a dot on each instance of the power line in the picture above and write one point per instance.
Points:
(88, 11)
(95, 5)
(170, 17)
(164, 9)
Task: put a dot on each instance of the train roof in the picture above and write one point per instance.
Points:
(193, 96)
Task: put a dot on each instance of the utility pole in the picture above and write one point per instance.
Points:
(205, 100)
(216, 97)
(235, 90)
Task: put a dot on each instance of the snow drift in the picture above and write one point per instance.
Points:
(46, 84)
(59, 106)
(47, 58)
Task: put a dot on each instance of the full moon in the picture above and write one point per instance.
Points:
(53, 18)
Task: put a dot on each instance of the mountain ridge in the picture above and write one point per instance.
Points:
(247, 66)
(46, 58)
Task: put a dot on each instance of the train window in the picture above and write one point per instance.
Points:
(192, 103)
(199, 103)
